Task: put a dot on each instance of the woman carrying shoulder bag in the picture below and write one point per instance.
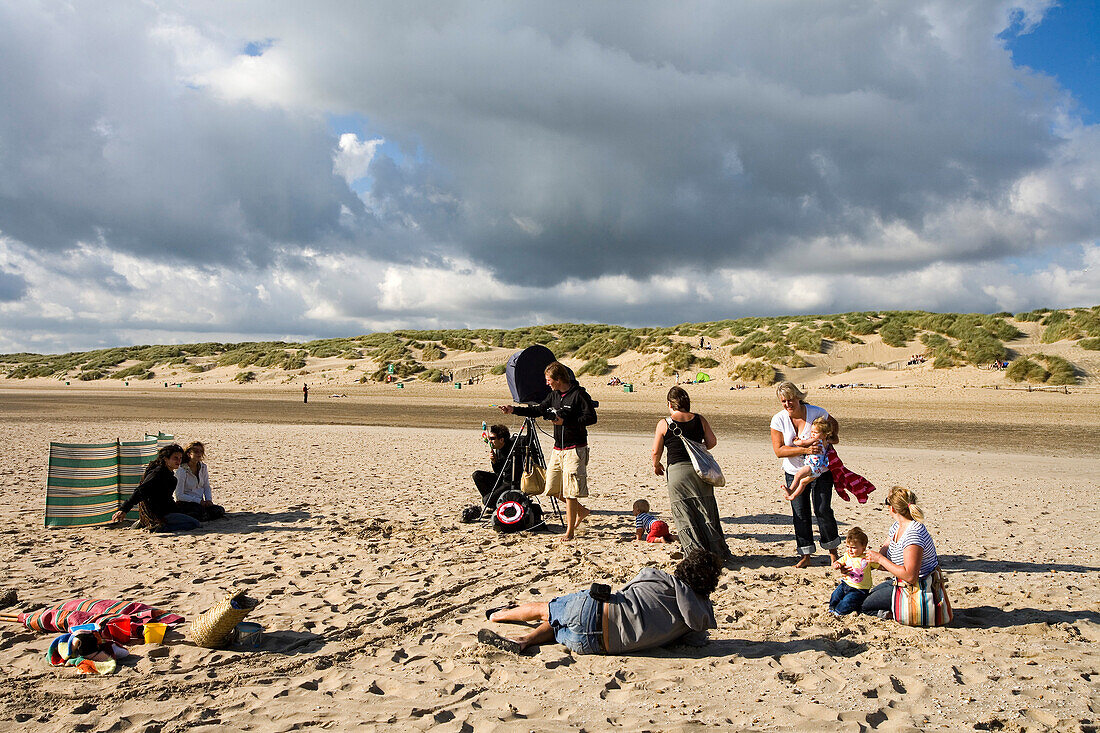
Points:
(694, 508)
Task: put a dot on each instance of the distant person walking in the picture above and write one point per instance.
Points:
(305, 394)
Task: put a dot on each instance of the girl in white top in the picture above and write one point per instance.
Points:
(193, 493)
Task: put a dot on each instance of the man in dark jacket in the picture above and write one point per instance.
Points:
(571, 410)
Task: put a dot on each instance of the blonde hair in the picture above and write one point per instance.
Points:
(787, 391)
(904, 503)
(641, 506)
(827, 426)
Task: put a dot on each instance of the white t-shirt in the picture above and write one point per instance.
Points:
(783, 423)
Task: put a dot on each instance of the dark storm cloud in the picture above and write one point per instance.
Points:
(524, 156)
(99, 141)
(623, 138)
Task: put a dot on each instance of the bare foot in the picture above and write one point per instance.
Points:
(833, 557)
(803, 562)
(565, 539)
(582, 514)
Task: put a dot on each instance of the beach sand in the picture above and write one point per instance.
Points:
(344, 522)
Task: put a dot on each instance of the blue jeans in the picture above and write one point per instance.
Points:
(176, 522)
(821, 493)
(847, 599)
(577, 622)
(881, 598)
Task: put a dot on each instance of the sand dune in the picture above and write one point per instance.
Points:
(373, 592)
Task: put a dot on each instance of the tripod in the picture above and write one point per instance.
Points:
(528, 451)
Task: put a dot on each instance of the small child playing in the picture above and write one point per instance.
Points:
(822, 432)
(848, 596)
(647, 527)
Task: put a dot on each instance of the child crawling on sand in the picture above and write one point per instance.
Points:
(849, 595)
(823, 432)
(647, 527)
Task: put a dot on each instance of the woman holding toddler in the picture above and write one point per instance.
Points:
(790, 431)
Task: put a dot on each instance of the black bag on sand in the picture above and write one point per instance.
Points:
(516, 512)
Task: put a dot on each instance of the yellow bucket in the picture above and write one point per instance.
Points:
(154, 633)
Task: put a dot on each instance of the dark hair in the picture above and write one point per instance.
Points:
(699, 571)
(501, 430)
(84, 644)
(163, 455)
(641, 506)
(678, 398)
(557, 370)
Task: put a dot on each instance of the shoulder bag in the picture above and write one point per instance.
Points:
(701, 460)
(923, 604)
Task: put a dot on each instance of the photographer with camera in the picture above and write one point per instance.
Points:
(653, 609)
(571, 410)
(500, 445)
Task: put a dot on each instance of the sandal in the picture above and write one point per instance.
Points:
(492, 638)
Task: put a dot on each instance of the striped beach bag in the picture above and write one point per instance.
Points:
(923, 604)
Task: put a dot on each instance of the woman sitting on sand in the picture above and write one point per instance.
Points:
(155, 493)
(694, 509)
(194, 496)
(787, 427)
(653, 609)
(909, 555)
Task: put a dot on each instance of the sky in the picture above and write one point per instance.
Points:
(176, 172)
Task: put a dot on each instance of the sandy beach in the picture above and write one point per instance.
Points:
(344, 522)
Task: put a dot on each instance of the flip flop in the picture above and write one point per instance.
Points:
(492, 638)
(490, 611)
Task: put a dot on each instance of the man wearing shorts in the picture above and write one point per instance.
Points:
(571, 410)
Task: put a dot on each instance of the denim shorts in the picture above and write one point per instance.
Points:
(577, 621)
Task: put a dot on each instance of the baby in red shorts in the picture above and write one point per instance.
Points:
(647, 527)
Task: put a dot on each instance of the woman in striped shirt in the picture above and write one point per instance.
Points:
(909, 556)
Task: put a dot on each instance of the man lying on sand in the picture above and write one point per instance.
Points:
(653, 609)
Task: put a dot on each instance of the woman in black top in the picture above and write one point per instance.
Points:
(694, 508)
(155, 491)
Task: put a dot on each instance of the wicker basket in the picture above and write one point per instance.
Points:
(212, 627)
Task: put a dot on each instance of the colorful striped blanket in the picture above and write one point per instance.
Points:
(122, 620)
(845, 481)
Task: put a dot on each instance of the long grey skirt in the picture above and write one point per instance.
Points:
(695, 511)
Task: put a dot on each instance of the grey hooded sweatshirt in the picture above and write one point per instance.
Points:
(652, 610)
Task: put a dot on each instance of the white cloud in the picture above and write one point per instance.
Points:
(353, 156)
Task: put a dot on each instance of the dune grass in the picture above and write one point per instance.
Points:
(950, 339)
